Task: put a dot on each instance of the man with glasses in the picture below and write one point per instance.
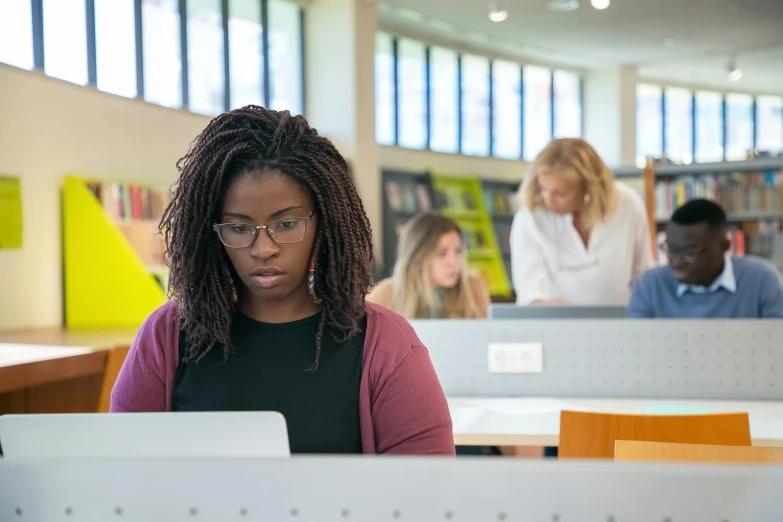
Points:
(702, 280)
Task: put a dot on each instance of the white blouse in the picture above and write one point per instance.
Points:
(549, 260)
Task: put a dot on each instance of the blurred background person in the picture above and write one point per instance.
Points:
(580, 237)
(430, 280)
(702, 279)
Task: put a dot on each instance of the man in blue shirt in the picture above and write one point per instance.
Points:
(703, 281)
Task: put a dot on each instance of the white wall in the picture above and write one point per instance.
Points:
(424, 160)
(49, 128)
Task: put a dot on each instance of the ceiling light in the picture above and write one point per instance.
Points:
(735, 73)
(563, 5)
(496, 14)
(600, 4)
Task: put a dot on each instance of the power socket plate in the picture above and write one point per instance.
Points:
(515, 358)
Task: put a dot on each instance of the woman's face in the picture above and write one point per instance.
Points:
(270, 271)
(559, 195)
(449, 260)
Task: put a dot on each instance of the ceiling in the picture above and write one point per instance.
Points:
(681, 41)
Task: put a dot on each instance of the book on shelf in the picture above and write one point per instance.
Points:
(499, 202)
(736, 193)
(128, 201)
(408, 196)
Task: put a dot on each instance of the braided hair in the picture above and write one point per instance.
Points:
(202, 278)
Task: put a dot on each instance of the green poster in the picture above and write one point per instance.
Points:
(10, 212)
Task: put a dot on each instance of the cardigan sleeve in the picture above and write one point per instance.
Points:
(141, 384)
(410, 415)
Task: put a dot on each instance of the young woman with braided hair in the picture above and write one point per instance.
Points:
(270, 257)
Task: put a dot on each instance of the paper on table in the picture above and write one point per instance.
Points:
(11, 354)
(522, 405)
(10, 212)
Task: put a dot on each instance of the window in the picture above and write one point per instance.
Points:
(444, 100)
(285, 56)
(507, 110)
(475, 105)
(739, 126)
(245, 49)
(679, 125)
(162, 56)
(115, 46)
(16, 33)
(649, 123)
(412, 93)
(205, 57)
(709, 127)
(65, 40)
(568, 105)
(769, 124)
(384, 89)
(538, 110)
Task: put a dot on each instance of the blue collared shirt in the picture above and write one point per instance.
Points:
(726, 280)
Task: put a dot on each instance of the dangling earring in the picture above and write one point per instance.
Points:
(311, 282)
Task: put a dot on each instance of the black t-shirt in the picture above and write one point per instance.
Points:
(266, 372)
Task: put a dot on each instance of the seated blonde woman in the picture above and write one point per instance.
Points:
(430, 280)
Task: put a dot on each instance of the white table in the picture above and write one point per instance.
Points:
(536, 421)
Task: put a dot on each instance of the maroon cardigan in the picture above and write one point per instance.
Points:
(402, 408)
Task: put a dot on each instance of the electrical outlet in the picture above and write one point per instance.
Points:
(515, 357)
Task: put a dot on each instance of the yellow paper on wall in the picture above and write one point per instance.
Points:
(10, 212)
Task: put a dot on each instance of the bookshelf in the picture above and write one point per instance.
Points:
(405, 195)
(463, 200)
(751, 192)
(113, 269)
(500, 202)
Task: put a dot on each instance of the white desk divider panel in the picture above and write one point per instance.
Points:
(735, 360)
(144, 435)
(373, 489)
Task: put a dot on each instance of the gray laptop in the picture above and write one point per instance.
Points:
(145, 435)
(512, 311)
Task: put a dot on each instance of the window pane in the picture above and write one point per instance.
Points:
(285, 57)
(246, 53)
(769, 124)
(162, 57)
(739, 126)
(679, 125)
(507, 113)
(384, 89)
(538, 110)
(709, 127)
(475, 105)
(205, 57)
(649, 123)
(444, 100)
(16, 33)
(115, 46)
(568, 105)
(412, 93)
(65, 40)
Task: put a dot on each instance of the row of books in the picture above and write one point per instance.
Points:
(408, 197)
(127, 201)
(737, 193)
(455, 199)
(499, 202)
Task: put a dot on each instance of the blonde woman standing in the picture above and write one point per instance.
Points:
(429, 279)
(580, 237)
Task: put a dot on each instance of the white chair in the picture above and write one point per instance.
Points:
(144, 435)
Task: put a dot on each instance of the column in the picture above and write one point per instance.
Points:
(610, 113)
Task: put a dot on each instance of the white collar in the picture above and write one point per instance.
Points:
(726, 280)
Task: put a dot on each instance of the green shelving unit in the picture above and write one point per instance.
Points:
(462, 199)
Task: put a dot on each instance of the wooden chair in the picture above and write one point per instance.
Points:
(592, 435)
(114, 360)
(664, 451)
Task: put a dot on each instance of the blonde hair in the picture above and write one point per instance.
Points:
(415, 294)
(579, 163)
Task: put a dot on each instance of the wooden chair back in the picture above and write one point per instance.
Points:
(668, 452)
(114, 360)
(590, 435)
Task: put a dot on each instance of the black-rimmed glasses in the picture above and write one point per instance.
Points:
(283, 231)
(688, 254)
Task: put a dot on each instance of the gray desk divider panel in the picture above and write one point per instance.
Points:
(680, 359)
(387, 489)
